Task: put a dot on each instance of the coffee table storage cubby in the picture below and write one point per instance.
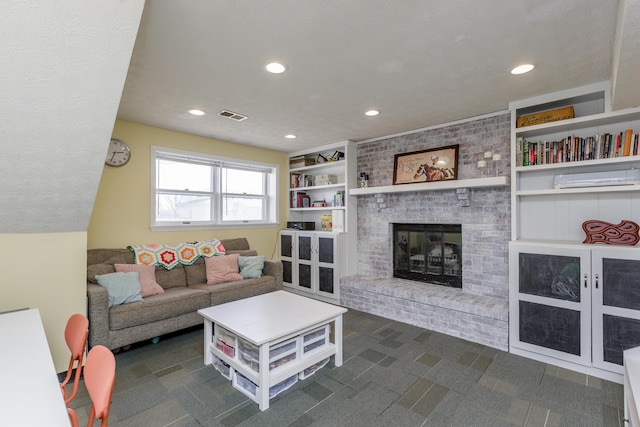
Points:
(245, 337)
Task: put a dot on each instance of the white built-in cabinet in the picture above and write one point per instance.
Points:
(587, 328)
(312, 264)
(315, 260)
(577, 306)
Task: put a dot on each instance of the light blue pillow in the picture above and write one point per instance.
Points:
(251, 266)
(123, 288)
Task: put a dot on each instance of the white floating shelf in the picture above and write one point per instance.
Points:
(497, 181)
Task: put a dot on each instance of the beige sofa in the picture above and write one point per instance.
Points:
(185, 292)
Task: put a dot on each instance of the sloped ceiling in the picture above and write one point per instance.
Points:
(421, 63)
(63, 69)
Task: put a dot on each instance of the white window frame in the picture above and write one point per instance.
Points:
(271, 205)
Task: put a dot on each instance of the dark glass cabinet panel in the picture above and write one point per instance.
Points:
(325, 279)
(619, 334)
(551, 327)
(551, 276)
(621, 283)
(325, 250)
(304, 248)
(287, 271)
(286, 245)
(304, 275)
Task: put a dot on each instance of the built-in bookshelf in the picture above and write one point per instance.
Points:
(563, 174)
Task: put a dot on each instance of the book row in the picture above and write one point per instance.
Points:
(575, 149)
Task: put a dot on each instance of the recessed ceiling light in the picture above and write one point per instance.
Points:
(372, 113)
(521, 69)
(197, 112)
(290, 136)
(275, 67)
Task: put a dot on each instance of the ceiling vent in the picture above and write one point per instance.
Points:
(231, 115)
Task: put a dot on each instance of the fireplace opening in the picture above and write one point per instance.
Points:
(428, 253)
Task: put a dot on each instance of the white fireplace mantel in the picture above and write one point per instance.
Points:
(496, 181)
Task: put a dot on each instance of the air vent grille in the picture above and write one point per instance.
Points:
(231, 115)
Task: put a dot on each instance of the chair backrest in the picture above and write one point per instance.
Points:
(75, 334)
(99, 378)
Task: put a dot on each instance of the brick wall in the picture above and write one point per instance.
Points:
(484, 213)
(479, 311)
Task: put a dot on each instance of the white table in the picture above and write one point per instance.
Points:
(30, 393)
(632, 386)
(269, 319)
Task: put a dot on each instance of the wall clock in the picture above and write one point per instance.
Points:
(118, 153)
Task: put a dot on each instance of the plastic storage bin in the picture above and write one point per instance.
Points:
(312, 369)
(315, 339)
(250, 389)
(222, 367)
(279, 355)
(225, 341)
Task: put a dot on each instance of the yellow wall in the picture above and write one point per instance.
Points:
(48, 272)
(121, 214)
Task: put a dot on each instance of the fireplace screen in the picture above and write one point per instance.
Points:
(429, 253)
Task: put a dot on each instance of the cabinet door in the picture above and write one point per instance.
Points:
(287, 257)
(326, 270)
(616, 305)
(550, 302)
(305, 253)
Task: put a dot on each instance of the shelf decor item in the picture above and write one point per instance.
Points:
(438, 164)
(625, 233)
(545, 117)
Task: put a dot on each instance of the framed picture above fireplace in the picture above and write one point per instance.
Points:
(437, 164)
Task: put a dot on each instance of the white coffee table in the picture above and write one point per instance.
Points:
(271, 321)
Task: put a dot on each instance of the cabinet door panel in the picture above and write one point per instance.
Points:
(287, 271)
(325, 249)
(619, 334)
(286, 244)
(550, 327)
(304, 275)
(621, 283)
(325, 280)
(304, 248)
(550, 276)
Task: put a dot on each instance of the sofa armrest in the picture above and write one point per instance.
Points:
(98, 301)
(273, 267)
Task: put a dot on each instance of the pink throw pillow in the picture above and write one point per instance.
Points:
(148, 284)
(222, 268)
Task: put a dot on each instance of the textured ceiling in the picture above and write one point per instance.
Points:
(420, 63)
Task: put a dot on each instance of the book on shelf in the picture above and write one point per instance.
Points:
(574, 148)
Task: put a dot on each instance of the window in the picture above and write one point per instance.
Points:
(202, 191)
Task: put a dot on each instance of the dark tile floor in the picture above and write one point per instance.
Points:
(393, 375)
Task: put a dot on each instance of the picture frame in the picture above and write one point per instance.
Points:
(436, 164)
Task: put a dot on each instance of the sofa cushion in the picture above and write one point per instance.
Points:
(196, 272)
(109, 256)
(173, 302)
(232, 291)
(171, 278)
(239, 243)
(95, 269)
(251, 266)
(148, 284)
(221, 269)
(123, 288)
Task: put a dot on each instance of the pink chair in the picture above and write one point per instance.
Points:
(99, 378)
(75, 333)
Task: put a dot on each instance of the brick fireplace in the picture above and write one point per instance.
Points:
(478, 311)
